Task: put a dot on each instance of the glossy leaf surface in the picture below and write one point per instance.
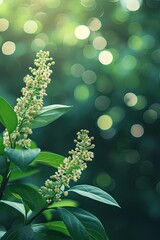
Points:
(92, 224)
(49, 114)
(18, 206)
(48, 158)
(22, 157)
(56, 226)
(73, 224)
(20, 232)
(94, 193)
(8, 116)
(29, 195)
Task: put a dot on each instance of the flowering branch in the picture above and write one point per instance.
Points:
(71, 169)
(31, 101)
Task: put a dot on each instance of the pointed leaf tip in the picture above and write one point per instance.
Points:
(94, 193)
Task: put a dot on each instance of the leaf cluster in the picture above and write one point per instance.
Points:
(61, 220)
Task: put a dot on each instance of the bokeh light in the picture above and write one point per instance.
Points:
(82, 32)
(132, 5)
(89, 77)
(130, 99)
(4, 24)
(103, 180)
(99, 43)
(89, 4)
(104, 122)
(102, 103)
(77, 70)
(137, 130)
(105, 57)
(8, 48)
(132, 156)
(94, 24)
(129, 62)
(150, 116)
(30, 27)
(81, 93)
(141, 102)
(38, 44)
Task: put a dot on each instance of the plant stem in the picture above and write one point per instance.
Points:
(5, 179)
(31, 216)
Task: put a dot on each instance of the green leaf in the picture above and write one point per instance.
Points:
(8, 116)
(18, 206)
(1, 146)
(29, 195)
(1, 178)
(49, 114)
(45, 233)
(22, 157)
(74, 226)
(17, 174)
(3, 164)
(2, 231)
(92, 224)
(48, 158)
(64, 203)
(94, 193)
(58, 226)
(20, 232)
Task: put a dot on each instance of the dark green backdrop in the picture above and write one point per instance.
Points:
(108, 69)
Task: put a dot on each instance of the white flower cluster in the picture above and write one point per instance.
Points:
(71, 169)
(31, 101)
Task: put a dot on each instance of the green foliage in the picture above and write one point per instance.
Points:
(82, 224)
(49, 114)
(7, 116)
(2, 231)
(1, 146)
(48, 158)
(73, 224)
(29, 195)
(22, 157)
(28, 202)
(2, 164)
(18, 206)
(64, 203)
(20, 232)
(94, 193)
(18, 174)
(55, 226)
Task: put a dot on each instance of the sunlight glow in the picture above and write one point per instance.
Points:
(82, 32)
(99, 43)
(94, 24)
(105, 57)
(130, 99)
(8, 48)
(30, 27)
(104, 122)
(137, 130)
(4, 24)
(132, 5)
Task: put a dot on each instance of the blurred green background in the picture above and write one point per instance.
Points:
(107, 55)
